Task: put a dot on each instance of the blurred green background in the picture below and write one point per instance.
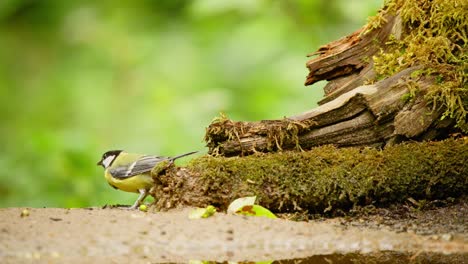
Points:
(78, 78)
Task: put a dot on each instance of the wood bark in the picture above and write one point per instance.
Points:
(351, 114)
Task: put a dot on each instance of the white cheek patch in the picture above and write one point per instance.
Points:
(108, 160)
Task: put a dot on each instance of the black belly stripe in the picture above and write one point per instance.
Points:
(112, 186)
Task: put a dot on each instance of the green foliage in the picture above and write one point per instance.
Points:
(206, 212)
(240, 206)
(78, 78)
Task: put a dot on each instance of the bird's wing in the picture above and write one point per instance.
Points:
(142, 165)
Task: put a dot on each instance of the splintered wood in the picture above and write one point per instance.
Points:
(357, 110)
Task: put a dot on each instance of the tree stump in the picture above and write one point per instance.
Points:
(401, 77)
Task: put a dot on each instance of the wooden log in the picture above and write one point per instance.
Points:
(401, 78)
(324, 179)
(339, 122)
(403, 104)
(346, 63)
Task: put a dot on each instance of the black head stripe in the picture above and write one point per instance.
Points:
(110, 153)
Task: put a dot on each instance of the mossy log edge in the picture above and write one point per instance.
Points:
(323, 180)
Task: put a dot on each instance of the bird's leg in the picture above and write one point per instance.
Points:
(141, 198)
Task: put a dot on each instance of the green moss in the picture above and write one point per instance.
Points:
(406, 97)
(327, 179)
(375, 22)
(435, 37)
(160, 167)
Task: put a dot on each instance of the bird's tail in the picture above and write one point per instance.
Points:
(183, 155)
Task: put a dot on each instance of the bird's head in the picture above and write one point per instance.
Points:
(108, 158)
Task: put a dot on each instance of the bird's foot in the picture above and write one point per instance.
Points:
(133, 207)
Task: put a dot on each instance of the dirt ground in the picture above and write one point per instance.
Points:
(114, 235)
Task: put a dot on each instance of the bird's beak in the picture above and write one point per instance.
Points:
(99, 163)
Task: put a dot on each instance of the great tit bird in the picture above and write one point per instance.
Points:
(132, 172)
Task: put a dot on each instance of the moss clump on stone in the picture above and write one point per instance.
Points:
(434, 36)
(324, 179)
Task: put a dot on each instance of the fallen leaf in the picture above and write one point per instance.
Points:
(241, 202)
(255, 210)
(202, 212)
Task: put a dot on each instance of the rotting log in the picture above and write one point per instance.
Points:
(369, 115)
(401, 78)
(387, 84)
(324, 179)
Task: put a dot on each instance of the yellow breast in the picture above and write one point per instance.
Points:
(131, 184)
